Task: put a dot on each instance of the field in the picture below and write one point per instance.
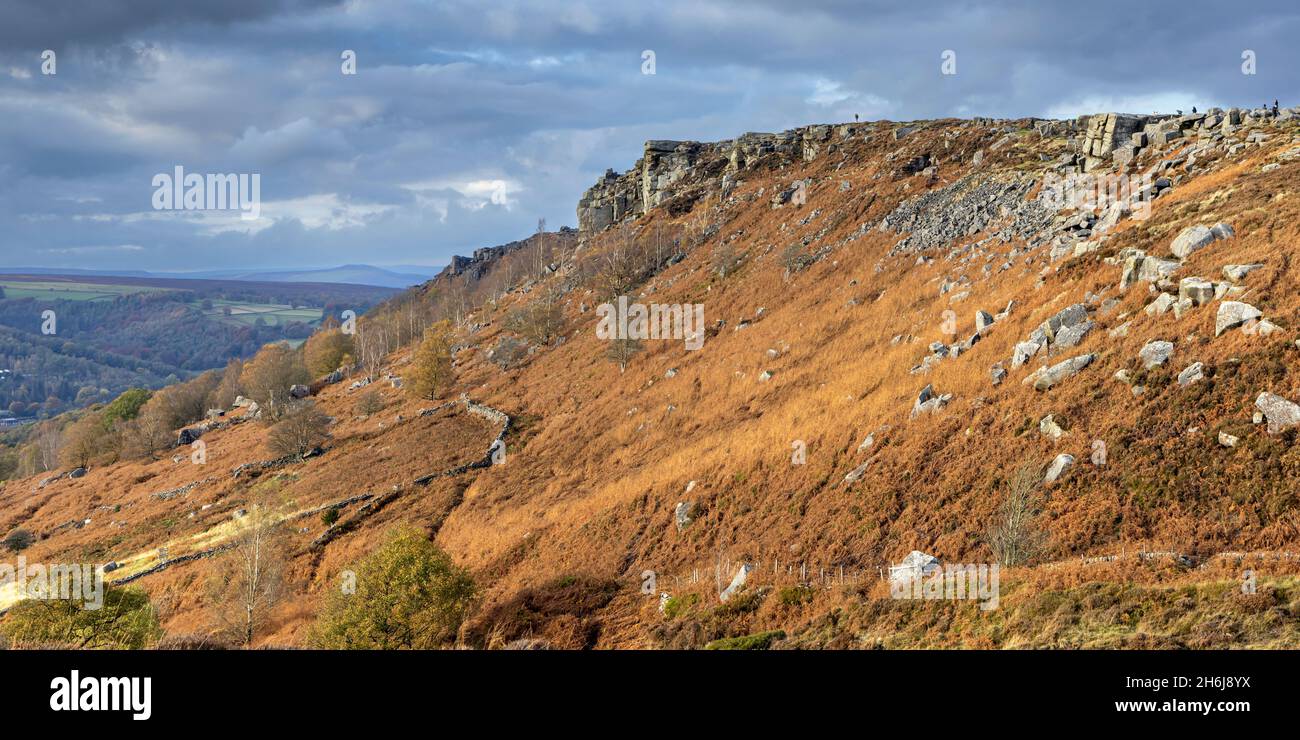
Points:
(56, 290)
(272, 314)
(237, 312)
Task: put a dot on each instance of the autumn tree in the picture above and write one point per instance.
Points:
(373, 345)
(268, 376)
(431, 367)
(229, 387)
(326, 351)
(408, 594)
(83, 440)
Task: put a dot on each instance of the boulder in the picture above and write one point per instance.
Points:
(77, 473)
(1227, 440)
(1062, 463)
(1237, 273)
(1048, 427)
(1061, 371)
(1160, 305)
(1280, 413)
(1023, 352)
(1190, 240)
(1156, 353)
(1191, 374)
(997, 373)
(1071, 335)
(1197, 290)
(856, 474)
(738, 582)
(298, 390)
(916, 565)
(983, 320)
(1233, 314)
(1066, 317)
(928, 402)
(1222, 231)
(188, 436)
(684, 513)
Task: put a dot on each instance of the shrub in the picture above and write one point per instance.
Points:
(794, 595)
(678, 605)
(125, 621)
(302, 429)
(329, 517)
(409, 595)
(757, 641)
(369, 402)
(509, 352)
(19, 539)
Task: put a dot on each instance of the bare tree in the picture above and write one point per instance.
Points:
(1015, 536)
(49, 441)
(622, 349)
(250, 580)
(372, 342)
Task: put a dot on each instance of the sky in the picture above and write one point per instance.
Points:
(466, 121)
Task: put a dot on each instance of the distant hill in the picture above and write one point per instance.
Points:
(400, 276)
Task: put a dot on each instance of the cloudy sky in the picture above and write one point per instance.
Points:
(467, 120)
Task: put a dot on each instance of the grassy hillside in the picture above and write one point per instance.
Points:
(818, 313)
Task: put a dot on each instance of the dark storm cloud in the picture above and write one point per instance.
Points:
(469, 120)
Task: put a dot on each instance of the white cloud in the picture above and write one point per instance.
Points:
(1163, 102)
(475, 193)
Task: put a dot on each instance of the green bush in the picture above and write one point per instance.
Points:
(757, 641)
(125, 621)
(408, 595)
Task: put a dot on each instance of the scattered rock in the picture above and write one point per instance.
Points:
(1191, 374)
(1061, 371)
(1237, 273)
(737, 583)
(684, 513)
(1156, 353)
(928, 402)
(1196, 290)
(1048, 427)
(1062, 463)
(1233, 314)
(998, 374)
(1280, 413)
(1227, 440)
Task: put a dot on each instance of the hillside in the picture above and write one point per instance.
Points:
(900, 318)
